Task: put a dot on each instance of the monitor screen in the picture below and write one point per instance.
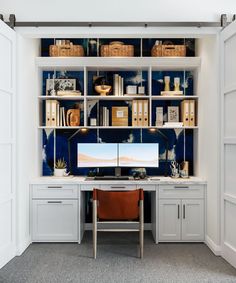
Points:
(97, 155)
(138, 155)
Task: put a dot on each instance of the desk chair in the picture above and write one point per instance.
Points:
(117, 207)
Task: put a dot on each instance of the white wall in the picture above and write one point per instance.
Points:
(122, 10)
(27, 149)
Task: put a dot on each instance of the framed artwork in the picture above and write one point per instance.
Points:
(173, 114)
(54, 85)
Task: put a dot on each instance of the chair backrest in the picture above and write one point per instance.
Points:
(118, 205)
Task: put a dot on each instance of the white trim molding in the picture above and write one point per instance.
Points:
(216, 249)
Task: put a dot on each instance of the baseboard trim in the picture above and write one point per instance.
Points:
(216, 249)
(21, 247)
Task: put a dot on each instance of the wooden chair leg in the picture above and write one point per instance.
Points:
(94, 229)
(141, 228)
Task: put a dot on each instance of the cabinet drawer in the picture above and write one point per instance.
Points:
(55, 192)
(181, 191)
(117, 187)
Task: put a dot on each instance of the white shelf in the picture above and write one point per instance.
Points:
(46, 97)
(114, 63)
(176, 97)
(115, 127)
(113, 97)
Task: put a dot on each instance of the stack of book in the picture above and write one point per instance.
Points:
(118, 85)
(173, 124)
(104, 116)
(55, 115)
(140, 113)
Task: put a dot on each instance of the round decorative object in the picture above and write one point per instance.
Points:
(102, 86)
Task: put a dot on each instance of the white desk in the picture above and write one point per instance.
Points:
(58, 207)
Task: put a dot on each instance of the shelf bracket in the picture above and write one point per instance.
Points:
(12, 21)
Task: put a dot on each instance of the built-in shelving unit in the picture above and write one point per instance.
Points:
(98, 64)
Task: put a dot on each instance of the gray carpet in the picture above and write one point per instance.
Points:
(117, 261)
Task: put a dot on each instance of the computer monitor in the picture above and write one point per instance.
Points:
(97, 155)
(138, 155)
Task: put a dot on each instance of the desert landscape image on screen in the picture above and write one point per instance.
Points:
(97, 155)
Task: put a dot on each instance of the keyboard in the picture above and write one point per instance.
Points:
(110, 178)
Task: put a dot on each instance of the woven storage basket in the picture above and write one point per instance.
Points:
(168, 50)
(173, 50)
(66, 50)
(117, 48)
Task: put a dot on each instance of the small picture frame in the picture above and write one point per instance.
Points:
(55, 85)
(173, 114)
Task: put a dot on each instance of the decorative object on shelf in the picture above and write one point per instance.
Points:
(167, 91)
(173, 114)
(68, 93)
(184, 169)
(101, 85)
(167, 83)
(66, 48)
(73, 116)
(174, 169)
(159, 117)
(55, 85)
(168, 49)
(141, 90)
(120, 116)
(176, 84)
(116, 49)
(131, 89)
(60, 168)
(157, 49)
(93, 122)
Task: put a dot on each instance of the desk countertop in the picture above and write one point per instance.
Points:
(82, 181)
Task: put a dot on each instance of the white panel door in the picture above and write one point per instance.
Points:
(55, 220)
(193, 220)
(7, 143)
(228, 143)
(169, 220)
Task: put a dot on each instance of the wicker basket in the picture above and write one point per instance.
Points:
(68, 50)
(117, 48)
(168, 50)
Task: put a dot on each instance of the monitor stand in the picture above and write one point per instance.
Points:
(117, 171)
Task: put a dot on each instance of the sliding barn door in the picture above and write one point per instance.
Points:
(7, 143)
(228, 160)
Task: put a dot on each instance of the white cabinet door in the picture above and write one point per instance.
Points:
(228, 143)
(192, 220)
(7, 143)
(55, 220)
(169, 220)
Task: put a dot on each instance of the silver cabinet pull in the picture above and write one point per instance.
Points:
(184, 211)
(54, 187)
(54, 201)
(178, 211)
(117, 187)
(181, 187)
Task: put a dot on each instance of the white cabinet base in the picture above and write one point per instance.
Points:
(55, 220)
